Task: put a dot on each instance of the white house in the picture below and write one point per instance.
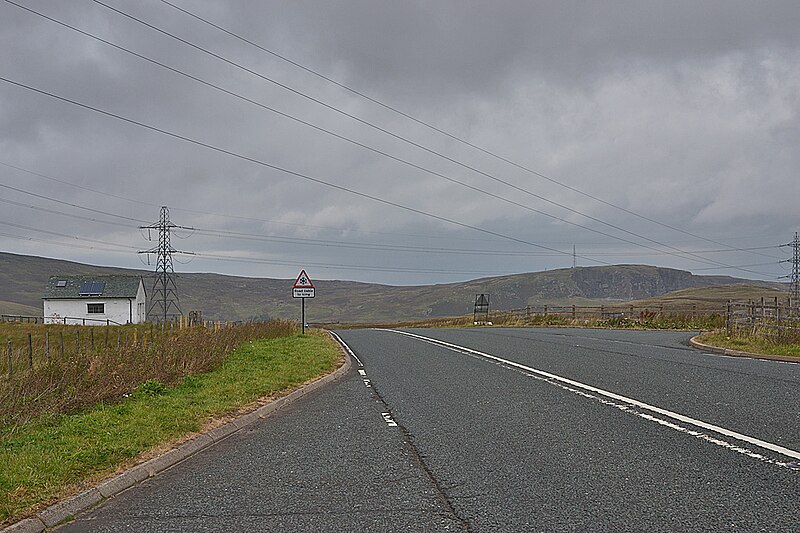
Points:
(94, 300)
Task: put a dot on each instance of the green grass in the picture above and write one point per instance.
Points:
(52, 454)
(501, 319)
(758, 344)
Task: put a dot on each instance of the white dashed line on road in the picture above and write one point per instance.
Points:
(388, 418)
(632, 406)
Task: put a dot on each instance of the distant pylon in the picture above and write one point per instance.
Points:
(164, 302)
(574, 257)
(795, 286)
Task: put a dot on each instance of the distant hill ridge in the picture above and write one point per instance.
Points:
(23, 279)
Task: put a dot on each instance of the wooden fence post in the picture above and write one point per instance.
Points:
(728, 317)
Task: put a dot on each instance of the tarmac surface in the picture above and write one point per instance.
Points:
(501, 430)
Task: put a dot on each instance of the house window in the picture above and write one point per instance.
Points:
(95, 308)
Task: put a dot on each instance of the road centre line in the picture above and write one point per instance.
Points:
(580, 388)
(389, 420)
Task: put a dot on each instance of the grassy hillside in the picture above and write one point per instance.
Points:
(712, 297)
(23, 278)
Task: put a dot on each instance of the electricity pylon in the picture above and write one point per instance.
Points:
(164, 301)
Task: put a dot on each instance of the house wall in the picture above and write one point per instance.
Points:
(140, 309)
(116, 310)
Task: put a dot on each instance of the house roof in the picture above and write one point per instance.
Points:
(85, 287)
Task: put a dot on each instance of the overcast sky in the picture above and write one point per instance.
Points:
(610, 114)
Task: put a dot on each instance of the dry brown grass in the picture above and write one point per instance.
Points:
(83, 377)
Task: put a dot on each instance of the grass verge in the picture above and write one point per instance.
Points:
(671, 322)
(754, 344)
(55, 454)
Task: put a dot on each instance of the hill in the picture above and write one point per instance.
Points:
(23, 278)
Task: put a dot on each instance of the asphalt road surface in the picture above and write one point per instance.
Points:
(501, 430)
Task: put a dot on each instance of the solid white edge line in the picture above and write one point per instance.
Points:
(664, 412)
(346, 347)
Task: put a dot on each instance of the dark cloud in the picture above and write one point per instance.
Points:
(685, 112)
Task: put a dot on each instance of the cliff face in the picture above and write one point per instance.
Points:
(629, 283)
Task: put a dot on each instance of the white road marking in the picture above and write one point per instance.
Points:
(388, 418)
(362, 371)
(346, 347)
(626, 403)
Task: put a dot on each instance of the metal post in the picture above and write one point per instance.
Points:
(61, 353)
(91, 334)
(303, 315)
(729, 319)
(47, 345)
(10, 367)
(77, 341)
(30, 350)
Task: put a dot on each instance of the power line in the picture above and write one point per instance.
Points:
(287, 171)
(436, 129)
(59, 243)
(679, 252)
(57, 234)
(252, 260)
(233, 217)
(224, 234)
(380, 152)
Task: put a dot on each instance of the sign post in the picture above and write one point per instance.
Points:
(303, 288)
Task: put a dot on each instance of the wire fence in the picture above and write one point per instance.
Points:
(30, 319)
(26, 341)
(57, 368)
(604, 312)
(771, 317)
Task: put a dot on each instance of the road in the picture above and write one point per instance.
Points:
(501, 430)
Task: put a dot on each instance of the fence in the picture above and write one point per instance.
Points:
(772, 317)
(62, 320)
(24, 345)
(603, 312)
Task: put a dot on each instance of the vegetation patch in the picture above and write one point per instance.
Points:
(49, 455)
(758, 344)
(670, 321)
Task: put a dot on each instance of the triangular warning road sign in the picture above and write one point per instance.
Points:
(303, 281)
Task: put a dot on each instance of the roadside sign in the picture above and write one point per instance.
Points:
(303, 292)
(303, 286)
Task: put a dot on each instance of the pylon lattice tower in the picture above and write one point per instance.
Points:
(164, 301)
(795, 286)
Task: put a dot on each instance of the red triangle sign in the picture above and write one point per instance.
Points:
(303, 281)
